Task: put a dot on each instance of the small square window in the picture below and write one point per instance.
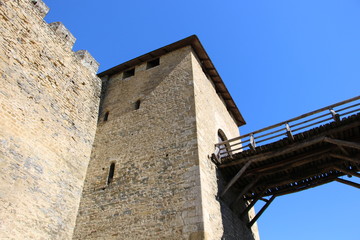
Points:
(153, 63)
(129, 73)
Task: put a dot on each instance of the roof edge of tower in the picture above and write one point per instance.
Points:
(206, 62)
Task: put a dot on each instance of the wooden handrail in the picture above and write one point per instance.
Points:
(287, 127)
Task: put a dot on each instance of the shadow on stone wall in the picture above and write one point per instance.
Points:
(234, 227)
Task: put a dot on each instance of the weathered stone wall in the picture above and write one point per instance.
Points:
(155, 193)
(211, 116)
(48, 112)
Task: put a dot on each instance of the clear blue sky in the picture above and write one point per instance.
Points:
(278, 58)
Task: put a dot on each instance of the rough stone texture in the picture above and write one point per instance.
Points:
(48, 114)
(155, 193)
(211, 116)
(164, 185)
(87, 60)
(41, 7)
(63, 33)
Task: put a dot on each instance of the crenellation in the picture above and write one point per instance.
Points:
(87, 60)
(114, 156)
(41, 7)
(63, 33)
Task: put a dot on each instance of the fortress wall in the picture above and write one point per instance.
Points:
(211, 115)
(155, 191)
(49, 99)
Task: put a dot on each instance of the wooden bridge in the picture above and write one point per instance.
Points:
(301, 153)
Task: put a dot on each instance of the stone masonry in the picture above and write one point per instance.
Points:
(49, 98)
(158, 127)
(133, 165)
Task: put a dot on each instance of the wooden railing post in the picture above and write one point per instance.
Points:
(288, 132)
(335, 115)
(252, 142)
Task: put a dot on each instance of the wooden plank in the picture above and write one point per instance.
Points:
(348, 182)
(235, 178)
(290, 148)
(268, 155)
(350, 159)
(305, 157)
(261, 211)
(304, 187)
(343, 143)
(288, 179)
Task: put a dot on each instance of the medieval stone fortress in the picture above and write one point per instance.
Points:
(119, 155)
(149, 149)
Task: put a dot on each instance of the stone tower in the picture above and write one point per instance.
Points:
(150, 175)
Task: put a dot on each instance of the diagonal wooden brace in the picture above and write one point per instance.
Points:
(348, 182)
(342, 143)
(261, 211)
(235, 178)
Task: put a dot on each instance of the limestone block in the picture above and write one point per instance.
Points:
(42, 8)
(63, 33)
(87, 60)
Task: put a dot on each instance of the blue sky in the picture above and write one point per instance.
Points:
(278, 58)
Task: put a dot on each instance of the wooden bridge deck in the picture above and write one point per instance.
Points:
(295, 162)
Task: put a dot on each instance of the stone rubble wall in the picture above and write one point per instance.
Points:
(155, 193)
(211, 116)
(49, 97)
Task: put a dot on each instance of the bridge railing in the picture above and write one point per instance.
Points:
(289, 128)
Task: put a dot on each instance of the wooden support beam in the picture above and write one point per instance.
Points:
(261, 211)
(315, 174)
(347, 172)
(342, 143)
(235, 178)
(253, 202)
(247, 209)
(350, 159)
(344, 150)
(348, 182)
(294, 161)
(245, 190)
(289, 149)
(304, 186)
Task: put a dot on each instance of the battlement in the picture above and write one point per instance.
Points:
(49, 102)
(66, 36)
(42, 8)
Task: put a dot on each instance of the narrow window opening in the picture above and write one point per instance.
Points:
(111, 173)
(153, 63)
(129, 73)
(223, 147)
(137, 104)
(106, 116)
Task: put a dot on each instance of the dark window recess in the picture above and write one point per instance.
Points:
(153, 63)
(111, 173)
(129, 73)
(106, 116)
(224, 147)
(137, 104)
